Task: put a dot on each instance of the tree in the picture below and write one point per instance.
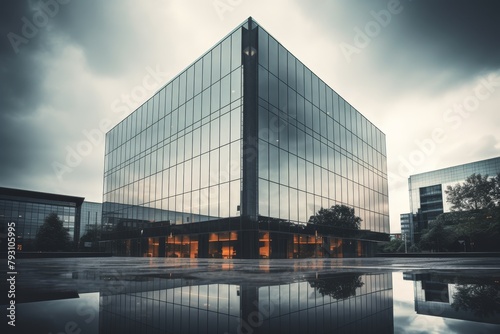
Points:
(477, 192)
(93, 235)
(482, 299)
(393, 246)
(337, 216)
(52, 236)
(437, 237)
(338, 287)
(495, 190)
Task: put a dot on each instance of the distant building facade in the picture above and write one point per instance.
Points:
(406, 220)
(28, 210)
(91, 214)
(234, 155)
(440, 295)
(427, 190)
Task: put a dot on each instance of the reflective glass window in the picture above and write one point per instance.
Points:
(198, 76)
(263, 83)
(214, 131)
(273, 56)
(226, 57)
(236, 49)
(263, 48)
(273, 90)
(263, 198)
(216, 63)
(235, 85)
(182, 88)
(207, 70)
(235, 160)
(225, 91)
(283, 63)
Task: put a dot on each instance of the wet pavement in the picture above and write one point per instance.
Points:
(157, 295)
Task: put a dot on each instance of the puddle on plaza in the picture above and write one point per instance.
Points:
(345, 302)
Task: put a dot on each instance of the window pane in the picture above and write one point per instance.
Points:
(216, 63)
(196, 173)
(214, 167)
(224, 200)
(234, 198)
(205, 170)
(225, 91)
(235, 85)
(225, 128)
(214, 131)
(235, 124)
(273, 56)
(263, 83)
(263, 198)
(236, 49)
(215, 102)
(198, 72)
(225, 163)
(207, 66)
(263, 160)
(263, 48)
(235, 160)
(226, 57)
(283, 65)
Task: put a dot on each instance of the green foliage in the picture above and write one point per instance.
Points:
(393, 246)
(495, 193)
(337, 216)
(414, 249)
(93, 235)
(52, 236)
(438, 237)
(482, 299)
(338, 287)
(475, 217)
(477, 192)
(479, 230)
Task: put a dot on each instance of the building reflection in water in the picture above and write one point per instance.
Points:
(465, 298)
(321, 303)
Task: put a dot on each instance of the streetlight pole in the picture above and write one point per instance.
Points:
(406, 246)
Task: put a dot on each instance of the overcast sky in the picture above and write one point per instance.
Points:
(427, 73)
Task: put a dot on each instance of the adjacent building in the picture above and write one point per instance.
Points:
(406, 220)
(28, 209)
(427, 190)
(233, 157)
(449, 296)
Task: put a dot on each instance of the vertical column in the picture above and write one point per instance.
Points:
(248, 236)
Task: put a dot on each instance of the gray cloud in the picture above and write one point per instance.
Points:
(430, 45)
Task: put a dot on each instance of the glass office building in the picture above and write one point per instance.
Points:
(28, 210)
(234, 156)
(427, 190)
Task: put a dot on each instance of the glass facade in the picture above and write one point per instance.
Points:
(315, 149)
(180, 151)
(349, 303)
(406, 220)
(243, 144)
(28, 210)
(427, 196)
(91, 214)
